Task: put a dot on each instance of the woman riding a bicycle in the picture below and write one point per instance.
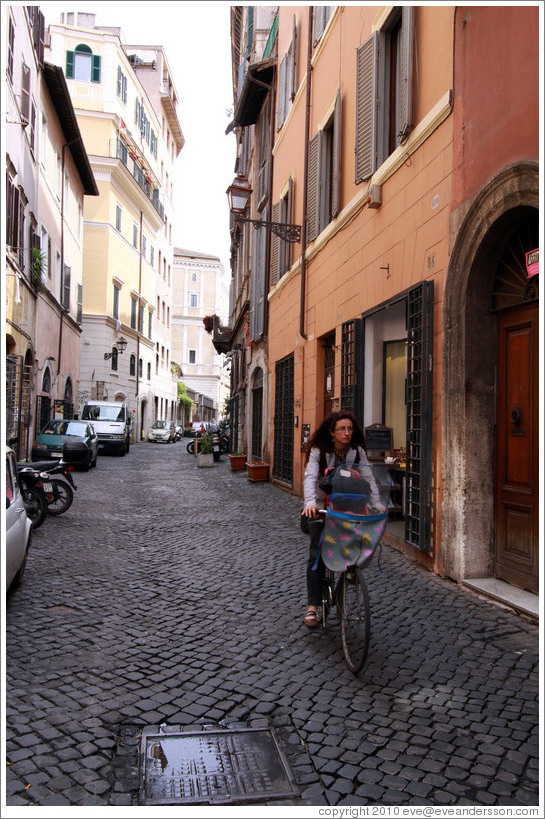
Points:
(339, 439)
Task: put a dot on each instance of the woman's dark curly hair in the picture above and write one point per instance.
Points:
(323, 438)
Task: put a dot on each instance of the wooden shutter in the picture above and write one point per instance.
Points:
(275, 246)
(119, 81)
(70, 65)
(336, 159)
(95, 72)
(25, 92)
(79, 311)
(281, 107)
(318, 22)
(313, 188)
(66, 288)
(406, 60)
(293, 59)
(366, 113)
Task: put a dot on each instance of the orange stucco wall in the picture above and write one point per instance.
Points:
(409, 232)
(497, 59)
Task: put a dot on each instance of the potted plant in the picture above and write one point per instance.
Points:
(205, 456)
(257, 470)
(238, 461)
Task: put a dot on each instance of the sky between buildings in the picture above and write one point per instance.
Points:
(196, 39)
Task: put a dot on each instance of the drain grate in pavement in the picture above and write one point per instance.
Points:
(213, 767)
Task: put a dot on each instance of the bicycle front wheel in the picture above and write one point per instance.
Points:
(355, 616)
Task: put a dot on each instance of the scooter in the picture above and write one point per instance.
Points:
(59, 494)
(32, 493)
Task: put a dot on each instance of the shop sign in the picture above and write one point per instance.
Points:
(532, 262)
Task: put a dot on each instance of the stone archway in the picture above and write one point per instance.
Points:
(469, 361)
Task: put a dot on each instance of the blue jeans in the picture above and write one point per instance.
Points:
(315, 576)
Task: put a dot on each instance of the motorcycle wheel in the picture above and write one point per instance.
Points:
(61, 497)
(35, 505)
(190, 447)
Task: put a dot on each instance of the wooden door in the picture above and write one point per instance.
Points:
(517, 469)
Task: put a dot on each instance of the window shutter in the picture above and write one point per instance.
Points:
(79, 312)
(319, 21)
(137, 112)
(119, 81)
(293, 57)
(66, 288)
(406, 59)
(25, 92)
(38, 26)
(366, 114)
(70, 65)
(281, 108)
(312, 192)
(275, 246)
(95, 73)
(336, 159)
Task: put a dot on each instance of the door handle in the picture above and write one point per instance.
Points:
(516, 416)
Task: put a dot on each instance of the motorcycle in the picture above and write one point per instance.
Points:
(58, 493)
(32, 493)
(221, 445)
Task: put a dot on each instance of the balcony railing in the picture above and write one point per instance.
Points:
(122, 152)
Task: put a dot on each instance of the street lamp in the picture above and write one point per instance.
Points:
(238, 195)
(120, 344)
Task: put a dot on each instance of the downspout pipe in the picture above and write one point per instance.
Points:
(305, 188)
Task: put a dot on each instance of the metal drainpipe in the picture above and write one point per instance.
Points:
(305, 189)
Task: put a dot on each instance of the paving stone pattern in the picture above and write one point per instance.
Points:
(174, 595)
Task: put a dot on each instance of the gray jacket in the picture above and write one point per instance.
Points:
(312, 494)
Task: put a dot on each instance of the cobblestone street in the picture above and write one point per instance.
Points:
(172, 594)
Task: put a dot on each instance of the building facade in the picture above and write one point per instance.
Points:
(48, 174)
(412, 186)
(199, 291)
(126, 106)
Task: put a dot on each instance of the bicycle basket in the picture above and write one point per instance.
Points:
(357, 515)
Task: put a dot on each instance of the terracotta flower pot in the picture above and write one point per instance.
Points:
(257, 471)
(238, 462)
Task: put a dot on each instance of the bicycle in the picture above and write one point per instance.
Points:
(348, 593)
(353, 523)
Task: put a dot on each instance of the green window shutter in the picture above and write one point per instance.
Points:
(275, 246)
(95, 73)
(366, 95)
(406, 60)
(313, 210)
(336, 159)
(137, 112)
(119, 81)
(70, 65)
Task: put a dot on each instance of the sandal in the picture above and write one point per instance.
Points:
(311, 618)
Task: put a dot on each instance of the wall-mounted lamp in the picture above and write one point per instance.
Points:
(120, 344)
(238, 195)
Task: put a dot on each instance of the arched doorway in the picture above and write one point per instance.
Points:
(478, 369)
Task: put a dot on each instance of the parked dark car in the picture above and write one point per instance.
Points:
(50, 441)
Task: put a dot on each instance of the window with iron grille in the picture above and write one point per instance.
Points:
(283, 420)
(350, 364)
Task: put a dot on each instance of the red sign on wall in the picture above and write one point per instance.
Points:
(532, 262)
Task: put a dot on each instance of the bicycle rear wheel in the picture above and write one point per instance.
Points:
(354, 611)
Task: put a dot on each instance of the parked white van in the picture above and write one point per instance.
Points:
(111, 421)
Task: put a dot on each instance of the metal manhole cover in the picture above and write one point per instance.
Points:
(213, 767)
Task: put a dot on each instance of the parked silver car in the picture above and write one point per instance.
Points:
(18, 525)
(163, 432)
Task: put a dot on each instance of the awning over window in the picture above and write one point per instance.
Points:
(257, 84)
